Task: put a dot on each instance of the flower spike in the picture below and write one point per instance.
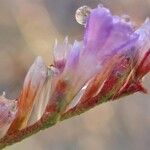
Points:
(109, 63)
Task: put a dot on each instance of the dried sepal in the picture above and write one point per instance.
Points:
(33, 84)
(107, 64)
(8, 110)
(41, 101)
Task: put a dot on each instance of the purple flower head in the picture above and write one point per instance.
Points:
(105, 37)
(107, 64)
(108, 39)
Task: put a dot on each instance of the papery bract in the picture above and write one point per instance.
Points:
(110, 62)
(32, 87)
(8, 110)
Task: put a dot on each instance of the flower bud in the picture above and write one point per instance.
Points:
(8, 110)
(33, 84)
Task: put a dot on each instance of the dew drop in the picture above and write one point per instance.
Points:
(81, 14)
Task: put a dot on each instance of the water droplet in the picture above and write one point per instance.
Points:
(53, 71)
(81, 14)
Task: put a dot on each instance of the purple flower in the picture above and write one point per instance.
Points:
(107, 64)
(105, 36)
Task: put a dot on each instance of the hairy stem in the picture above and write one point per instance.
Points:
(49, 120)
(45, 122)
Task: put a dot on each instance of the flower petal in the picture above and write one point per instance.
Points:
(143, 49)
(60, 53)
(8, 110)
(73, 58)
(98, 28)
(33, 84)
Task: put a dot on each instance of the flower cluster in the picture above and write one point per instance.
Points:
(107, 64)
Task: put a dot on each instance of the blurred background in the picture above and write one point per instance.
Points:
(28, 29)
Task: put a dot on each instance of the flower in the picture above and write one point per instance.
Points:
(34, 81)
(8, 110)
(107, 64)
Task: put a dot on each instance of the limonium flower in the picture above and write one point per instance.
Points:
(110, 62)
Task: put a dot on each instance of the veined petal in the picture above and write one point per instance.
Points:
(33, 84)
(144, 38)
(77, 98)
(121, 34)
(73, 58)
(41, 101)
(98, 28)
(60, 53)
(143, 49)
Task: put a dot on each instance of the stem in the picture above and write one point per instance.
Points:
(45, 122)
(49, 120)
